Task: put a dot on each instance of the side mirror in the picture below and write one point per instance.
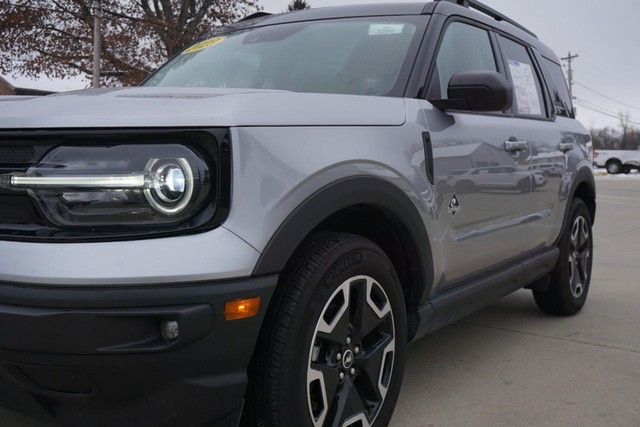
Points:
(477, 91)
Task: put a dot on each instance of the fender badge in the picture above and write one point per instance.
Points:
(454, 206)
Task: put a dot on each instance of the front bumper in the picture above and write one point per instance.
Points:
(94, 356)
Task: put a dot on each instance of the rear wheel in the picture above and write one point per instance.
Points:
(334, 346)
(614, 166)
(569, 286)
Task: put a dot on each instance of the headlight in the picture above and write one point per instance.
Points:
(123, 189)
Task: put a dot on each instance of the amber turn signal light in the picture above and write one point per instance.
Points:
(241, 308)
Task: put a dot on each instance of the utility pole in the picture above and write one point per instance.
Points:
(569, 60)
(97, 36)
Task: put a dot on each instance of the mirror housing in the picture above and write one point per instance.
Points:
(477, 91)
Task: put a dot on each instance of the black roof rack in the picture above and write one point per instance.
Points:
(254, 16)
(483, 8)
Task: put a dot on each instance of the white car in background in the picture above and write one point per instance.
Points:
(617, 161)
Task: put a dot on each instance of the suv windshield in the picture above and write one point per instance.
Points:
(363, 56)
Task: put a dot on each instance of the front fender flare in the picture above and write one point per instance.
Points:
(345, 193)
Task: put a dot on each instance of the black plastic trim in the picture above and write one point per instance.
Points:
(461, 300)
(584, 175)
(63, 363)
(339, 195)
(428, 155)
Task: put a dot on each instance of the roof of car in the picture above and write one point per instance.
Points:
(348, 11)
(395, 9)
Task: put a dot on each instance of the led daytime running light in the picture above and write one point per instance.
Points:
(80, 181)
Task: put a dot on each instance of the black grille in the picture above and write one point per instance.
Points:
(15, 154)
(18, 210)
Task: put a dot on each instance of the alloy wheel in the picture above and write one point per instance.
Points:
(579, 256)
(351, 356)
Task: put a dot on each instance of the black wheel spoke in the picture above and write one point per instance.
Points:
(331, 382)
(583, 264)
(370, 364)
(348, 404)
(364, 318)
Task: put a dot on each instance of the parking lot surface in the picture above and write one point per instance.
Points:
(510, 365)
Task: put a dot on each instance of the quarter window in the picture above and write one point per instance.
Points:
(463, 48)
(558, 88)
(527, 91)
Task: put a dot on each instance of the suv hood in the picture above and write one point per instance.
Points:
(202, 107)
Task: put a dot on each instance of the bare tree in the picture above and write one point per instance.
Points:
(54, 37)
(298, 5)
(627, 131)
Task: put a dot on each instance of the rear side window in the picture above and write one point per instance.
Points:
(558, 87)
(527, 89)
(463, 48)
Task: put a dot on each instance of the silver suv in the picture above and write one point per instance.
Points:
(255, 234)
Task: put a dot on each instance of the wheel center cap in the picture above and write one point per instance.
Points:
(347, 359)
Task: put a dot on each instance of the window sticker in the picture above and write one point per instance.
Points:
(203, 45)
(525, 88)
(385, 29)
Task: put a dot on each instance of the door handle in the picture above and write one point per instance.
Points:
(565, 146)
(514, 144)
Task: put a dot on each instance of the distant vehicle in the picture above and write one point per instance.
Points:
(617, 161)
(491, 178)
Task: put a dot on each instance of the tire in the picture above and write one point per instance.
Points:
(614, 166)
(336, 327)
(523, 186)
(571, 277)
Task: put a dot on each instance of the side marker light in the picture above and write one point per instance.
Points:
(242, 308)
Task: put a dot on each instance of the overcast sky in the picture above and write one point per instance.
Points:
(604, 34)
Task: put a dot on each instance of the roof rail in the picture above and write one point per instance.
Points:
(254, 16)
(483, 8)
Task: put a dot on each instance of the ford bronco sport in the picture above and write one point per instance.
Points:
(255, 234)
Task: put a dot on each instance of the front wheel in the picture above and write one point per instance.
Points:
(570, 279)
(333, 350)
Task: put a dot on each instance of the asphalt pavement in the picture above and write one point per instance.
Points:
(510, 365)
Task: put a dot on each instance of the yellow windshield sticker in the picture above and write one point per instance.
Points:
(203, 45)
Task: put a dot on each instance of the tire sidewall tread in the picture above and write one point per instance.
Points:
(318, 267)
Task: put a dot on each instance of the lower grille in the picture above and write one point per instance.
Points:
(15, 154)
(18, 210)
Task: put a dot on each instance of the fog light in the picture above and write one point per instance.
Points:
(170, 330)
(242, 308)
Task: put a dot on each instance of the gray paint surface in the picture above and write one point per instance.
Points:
(217, 254)
(200, 107)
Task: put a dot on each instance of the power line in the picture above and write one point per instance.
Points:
(605, 96)
(595, 109)
(593, 105)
